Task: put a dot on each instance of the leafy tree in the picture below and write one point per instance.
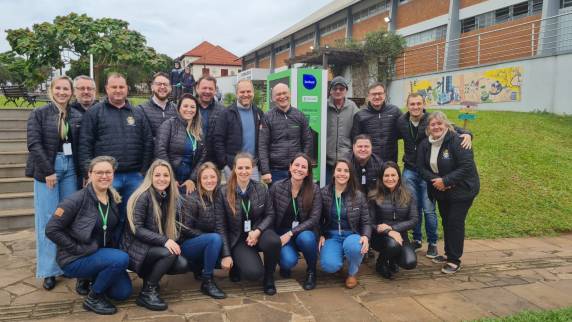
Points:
(13, 70)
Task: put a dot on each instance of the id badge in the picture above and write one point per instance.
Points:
(363, 179)
(295, 224)
(67, 147)
(247, 226)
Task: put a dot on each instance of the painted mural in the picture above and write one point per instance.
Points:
(489, 86)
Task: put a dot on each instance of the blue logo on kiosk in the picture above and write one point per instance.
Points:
(309, 81)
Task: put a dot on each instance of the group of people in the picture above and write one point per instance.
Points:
(120, 187)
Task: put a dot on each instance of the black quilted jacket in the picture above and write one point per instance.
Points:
(155, 115)
(198, 219)
(358, 214)
(400, 218)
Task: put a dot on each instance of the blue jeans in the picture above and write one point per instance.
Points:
(304, 242)
(125, 183)
(278, 175)
(418, 188)
(339, 246)
(203, 250)
(45, 203)
(107, 269)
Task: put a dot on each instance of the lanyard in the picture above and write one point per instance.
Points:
(193, 140)
(339, 208)
(246, 208)
(103, 217)
(295, 209)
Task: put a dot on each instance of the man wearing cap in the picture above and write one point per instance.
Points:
(341, 113)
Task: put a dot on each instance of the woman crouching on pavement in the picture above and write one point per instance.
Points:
(150, 238)
(393, 212)
(82, 227)
(345, 224)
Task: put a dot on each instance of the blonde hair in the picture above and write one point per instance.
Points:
(440, 116)
(111, 160)
(63, 109)
(171, 226)
(201, 192)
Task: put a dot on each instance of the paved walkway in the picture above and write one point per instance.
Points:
(499, 277)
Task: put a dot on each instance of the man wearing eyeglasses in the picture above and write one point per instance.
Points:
(341, 113)
(84, 92)
(158, 108)
(378, 119)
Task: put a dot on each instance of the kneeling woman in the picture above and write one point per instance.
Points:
(393, 212)
(150, 237)
(81, 228)
(245, 207)
(298, 206)
(202, 243)
(345, 226)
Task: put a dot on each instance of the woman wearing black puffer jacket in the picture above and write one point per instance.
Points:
(179, 142)
(453, 181)
(51, 132)
(393, 211)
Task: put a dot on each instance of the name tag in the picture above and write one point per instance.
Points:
(295, 224)
(247, 226)
(363, 179)
(67, 147)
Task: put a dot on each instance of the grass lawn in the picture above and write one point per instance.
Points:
(561, 315)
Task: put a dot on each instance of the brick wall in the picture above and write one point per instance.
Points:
(414, 12)
(468, 3)
(374, 23)
(304, 48)
(280, 58)
(329, 39)
(264, 62)
(423, 58)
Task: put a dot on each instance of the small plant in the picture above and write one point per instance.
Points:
(229, 98)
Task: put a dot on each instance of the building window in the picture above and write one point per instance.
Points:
(519, 10)
(370, 11)
(502, 15)
(426, 36)
(223, 72)
(304, 38)
(565, 3)
(536, 6)
(333, 27)
(468, 24)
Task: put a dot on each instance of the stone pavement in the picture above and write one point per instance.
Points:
(499, 277)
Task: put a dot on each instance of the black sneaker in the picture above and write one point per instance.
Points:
(450, 268)
(83, 286)
(432, 251)
(439, 259)
(98, 303)
(417, 244)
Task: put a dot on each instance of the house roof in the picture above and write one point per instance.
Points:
(210, 54)
(200, 50)
(324, 12)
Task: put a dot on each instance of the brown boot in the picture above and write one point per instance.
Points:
(351, 282)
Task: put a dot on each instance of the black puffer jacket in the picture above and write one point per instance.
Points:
(228, 134)
(122, 133)
(215, 110)
(410, 142)
(155, 115)
(456, 166)
(282, 136)
(371, 173)
(171, 141)
(358, 213)
(389, 212)
(44, 141)
(381, 126)
(198, 219)
(262, 214)
(71, 228)
(281, 194)
(146, 232)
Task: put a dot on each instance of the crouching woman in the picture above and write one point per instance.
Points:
(81, 228)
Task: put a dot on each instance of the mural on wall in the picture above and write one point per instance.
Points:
(489, 86)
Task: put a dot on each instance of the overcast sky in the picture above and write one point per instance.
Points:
(172, 27)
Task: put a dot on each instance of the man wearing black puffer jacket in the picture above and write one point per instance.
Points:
(114, 128)
(284, 133)
(379, 120)
(158, 108)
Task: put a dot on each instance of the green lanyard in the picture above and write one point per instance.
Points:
(339, 208)
(103, 217)
(246, 208)
(295, 209)
(66, 130)
(193, 140)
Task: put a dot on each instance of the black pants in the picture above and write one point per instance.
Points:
(247, 261)
(159, 261)
(389, 249)
(453, 215)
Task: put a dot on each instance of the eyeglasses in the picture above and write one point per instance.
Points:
(89, 89)
(102, 173)
(161, 84)
(377, 94)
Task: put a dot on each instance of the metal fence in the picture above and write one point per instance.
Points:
(527, 37)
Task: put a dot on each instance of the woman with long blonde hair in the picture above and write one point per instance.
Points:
(153, 228)
(51, 132)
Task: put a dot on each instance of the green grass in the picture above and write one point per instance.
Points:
(561, 315)
(525, 166)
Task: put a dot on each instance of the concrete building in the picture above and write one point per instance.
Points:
(209, 59)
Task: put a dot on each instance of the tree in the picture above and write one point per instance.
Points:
(13, 70)
(110, 41)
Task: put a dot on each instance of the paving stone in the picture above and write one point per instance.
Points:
(206, 317)
(20, 289)
(43, 296)
(531, 243)
(451, 306)
(18, 235)
(196, 306)
(5, 298)
(400, 309)
(88, 316)
(257, 312)
(4, 250)
(286, 302)
(164, 318)
(8, 277)
(230, 301)
(334, 305)
(542, 295)
(475, 246)
(564, 286)
(23, 244)
(501, 244)
(498, 301)
(563, 273)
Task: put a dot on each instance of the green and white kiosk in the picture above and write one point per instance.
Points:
(309, 90)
